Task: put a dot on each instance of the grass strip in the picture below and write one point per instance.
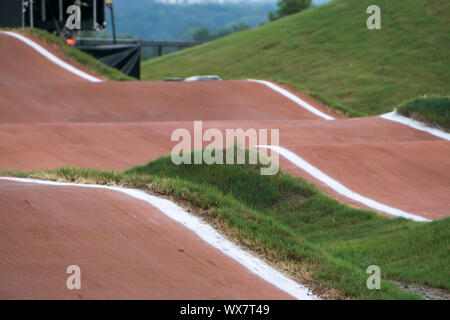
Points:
(314, 238)
(434, 111)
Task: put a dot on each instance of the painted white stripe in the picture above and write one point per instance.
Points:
(394, 116)
(205, 232)
(341, 189)
(294, 98)
(52, 57)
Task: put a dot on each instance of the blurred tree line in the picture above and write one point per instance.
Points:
(288, 7)
(179, 22)
(204, 34)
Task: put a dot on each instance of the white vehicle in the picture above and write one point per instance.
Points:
(202, 78)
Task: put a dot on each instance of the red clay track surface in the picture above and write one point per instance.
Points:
(124, 248)
(50, 117)
(46, 122)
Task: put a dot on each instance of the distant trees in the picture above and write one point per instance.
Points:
(161, 20)
(288, 7)
(203, 34)
(234, 28)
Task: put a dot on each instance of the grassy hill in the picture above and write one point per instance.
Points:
(329, 53)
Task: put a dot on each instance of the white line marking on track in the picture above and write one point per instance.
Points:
(394, 116)
(206, 233)
(294, 98)
(52, 57)
(340, 188)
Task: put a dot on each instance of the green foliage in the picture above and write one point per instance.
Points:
(434, 111)
(203, 34)
(233, 29)
(328, 50)
(288, 7)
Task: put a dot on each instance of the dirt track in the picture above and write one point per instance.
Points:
(46, 123)
(386, 161)
(124, 248)
(50, 118)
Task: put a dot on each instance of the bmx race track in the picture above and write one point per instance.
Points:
(54, 115)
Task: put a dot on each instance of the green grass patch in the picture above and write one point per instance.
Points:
(78, 56)
(434, 111)
(321, 242)
(329, 50)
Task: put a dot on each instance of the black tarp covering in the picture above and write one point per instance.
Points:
(10, 13)
(124, 57)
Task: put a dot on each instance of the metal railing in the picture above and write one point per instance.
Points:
(159, 45)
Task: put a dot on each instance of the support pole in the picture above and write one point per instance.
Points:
(31, 14)
(109, 3)
(60, 7)
(23, 14)
(94, 14)
(43, 11)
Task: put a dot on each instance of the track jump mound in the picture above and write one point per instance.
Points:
(125, 249)
(33, 88)
(142, 102)
(68, 120)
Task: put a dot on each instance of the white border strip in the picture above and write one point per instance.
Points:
(294, 98)
(52, 57)
(394, 116)
(341, 189)
(206, 233)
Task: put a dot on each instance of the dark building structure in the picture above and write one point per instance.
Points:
(51, 15)
(11, 13)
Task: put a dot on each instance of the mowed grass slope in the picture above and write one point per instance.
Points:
(319, 241)
(329, 53)
(435, 111)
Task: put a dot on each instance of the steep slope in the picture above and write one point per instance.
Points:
(329, 50)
